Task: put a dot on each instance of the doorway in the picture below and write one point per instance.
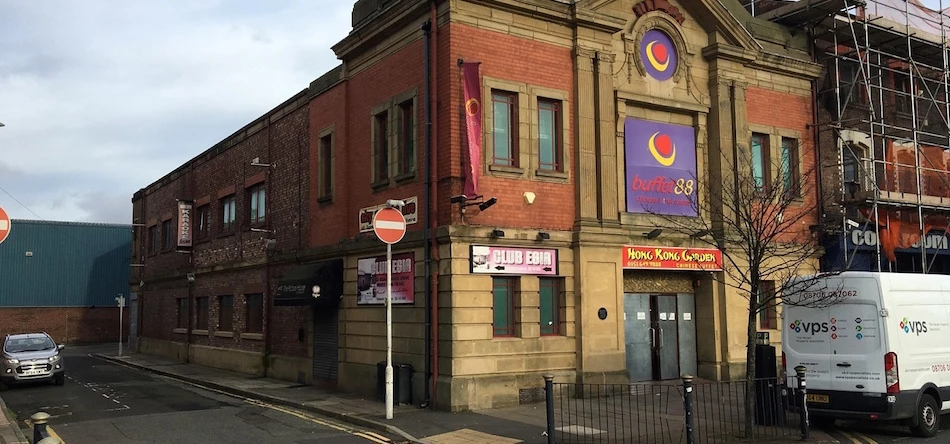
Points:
(660, 336)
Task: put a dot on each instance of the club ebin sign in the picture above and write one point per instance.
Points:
(513, 260)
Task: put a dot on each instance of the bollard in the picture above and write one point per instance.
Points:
(803, 404)
(50, 440)
(549, 405)
(688, 407)
(39, 420)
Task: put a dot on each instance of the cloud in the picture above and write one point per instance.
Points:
(101, 98)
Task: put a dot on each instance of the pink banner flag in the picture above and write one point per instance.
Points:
(473, 122)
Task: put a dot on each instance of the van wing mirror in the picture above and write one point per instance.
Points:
(60, 347)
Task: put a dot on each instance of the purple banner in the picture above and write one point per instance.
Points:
(660, 160)
(513, 260)
(371, 279)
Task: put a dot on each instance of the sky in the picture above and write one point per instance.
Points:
(101, 98)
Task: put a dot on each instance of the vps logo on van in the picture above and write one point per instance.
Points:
(914, 326)
(809, 327)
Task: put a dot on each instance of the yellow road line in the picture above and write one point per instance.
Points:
(852, 438)
(362, 434)
(54, 435)
(866, 438)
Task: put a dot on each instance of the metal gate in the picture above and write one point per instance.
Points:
(325, 343)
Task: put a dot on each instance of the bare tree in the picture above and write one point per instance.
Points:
(767, 233)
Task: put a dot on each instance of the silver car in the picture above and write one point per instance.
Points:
(31, 357)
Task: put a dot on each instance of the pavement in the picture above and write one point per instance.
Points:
(521, 424)
(9, 432)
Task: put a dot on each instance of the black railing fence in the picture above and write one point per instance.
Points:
(683, 411)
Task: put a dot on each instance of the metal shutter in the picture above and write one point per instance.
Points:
(325, 343)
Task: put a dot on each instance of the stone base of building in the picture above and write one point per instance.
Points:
(465, 393)
(286, 368)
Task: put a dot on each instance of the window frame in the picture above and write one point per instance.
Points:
(510, 284)
(556, 299)
(225, 202)
(511, 103)
(790, 169)
(203, 221)
(381, 147)
(257, 192)
(202, 313)
(168, 235)
(247, 313)
(765, 160)
(325, 156)
(768, 316)
(406, 145)
(557, 145)
(181, 318)
(221, 313)
(153, 240)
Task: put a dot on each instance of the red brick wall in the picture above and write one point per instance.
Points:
(514, 59)
(792, 112)
(349, 109)
(67, 325)
(281, 141)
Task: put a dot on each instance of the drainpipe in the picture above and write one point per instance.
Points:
(432, 200)
(426, 29)
(268, 296)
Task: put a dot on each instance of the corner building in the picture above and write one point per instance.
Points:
(573, 118)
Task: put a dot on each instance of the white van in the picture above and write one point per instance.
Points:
(882, 352)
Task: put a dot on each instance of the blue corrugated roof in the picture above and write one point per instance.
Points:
(64, 264)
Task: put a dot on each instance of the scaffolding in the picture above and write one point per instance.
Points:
(884, 101)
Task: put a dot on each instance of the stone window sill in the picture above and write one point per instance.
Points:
(183, 331)
(254, 336)
(405, 177)
(224, 334)
(379, 185)
(325, 199)
(557, 176)
(506, 171)
(200, 332)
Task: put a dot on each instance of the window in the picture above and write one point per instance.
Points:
(381, 146)
(226, 313)
(182, 318)
(326, 166)
(504, 128)
(202, 312)
(168, 235)
(551, 291)
(254, 313)
(204, 221)
(790, 172)
(768, 315)
(550, 145)
(152, 239)
(503, 306)
(902, 92)
(760, 160)
(407, 140)
(257, 198)
(227, 213)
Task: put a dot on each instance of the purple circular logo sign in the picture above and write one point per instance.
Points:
(658, 54)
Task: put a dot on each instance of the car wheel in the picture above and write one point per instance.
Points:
(928, 417)
(59, 379)
(822, 422)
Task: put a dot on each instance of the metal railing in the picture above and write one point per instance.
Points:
(686, 411)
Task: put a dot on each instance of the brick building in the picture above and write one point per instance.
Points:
(63, 278)
(494, 285)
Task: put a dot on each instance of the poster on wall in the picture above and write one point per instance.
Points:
(513, 260)
(371, 279)
(660, 163)
(410, 211)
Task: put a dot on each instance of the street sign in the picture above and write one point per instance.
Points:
(4, 225)
(389, 225)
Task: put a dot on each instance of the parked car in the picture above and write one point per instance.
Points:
(31, 357)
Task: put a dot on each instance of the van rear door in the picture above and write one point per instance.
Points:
(806, 342)
(857, 347)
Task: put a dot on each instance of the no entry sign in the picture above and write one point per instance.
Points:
(4, 225)
(389, 225)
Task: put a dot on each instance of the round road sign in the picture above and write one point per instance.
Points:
(4, 225)
(389, 225)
